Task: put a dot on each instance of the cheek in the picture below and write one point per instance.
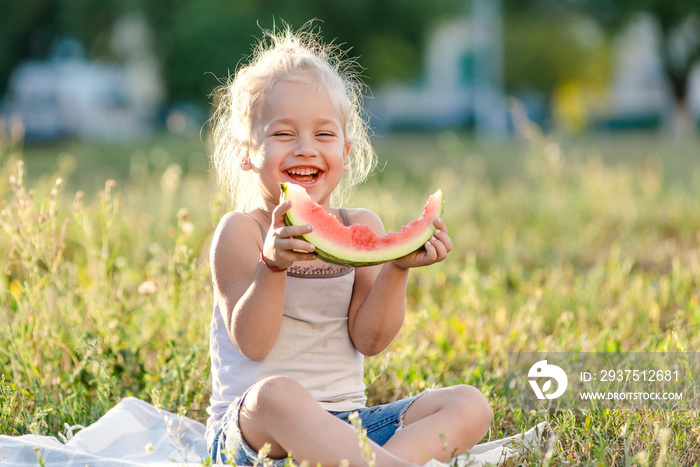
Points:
(337, 148)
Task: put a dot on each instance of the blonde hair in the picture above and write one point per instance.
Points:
(285, 55)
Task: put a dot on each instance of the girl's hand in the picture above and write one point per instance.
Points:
(281, 248)
(434, 250)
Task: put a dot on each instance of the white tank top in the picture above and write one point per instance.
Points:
(313, 346)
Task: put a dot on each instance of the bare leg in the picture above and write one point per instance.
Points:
(442, 424)
(283, 413)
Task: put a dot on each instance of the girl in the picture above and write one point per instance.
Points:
(289, 331)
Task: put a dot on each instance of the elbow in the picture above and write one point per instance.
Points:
(371, 352)
(252, 349)
(251, 352)
(254, 356)
(370, 341)
(372, 347)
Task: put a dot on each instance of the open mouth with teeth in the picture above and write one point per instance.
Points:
(303, 174)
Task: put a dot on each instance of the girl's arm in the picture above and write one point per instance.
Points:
(250, 295)
(379, 296)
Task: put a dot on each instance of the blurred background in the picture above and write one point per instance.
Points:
(129, 69)
(564, 134)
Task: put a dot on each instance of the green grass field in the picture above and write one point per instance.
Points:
(582, 244)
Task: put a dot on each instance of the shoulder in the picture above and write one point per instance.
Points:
(236, 221)
(367, 217)
(236, 226)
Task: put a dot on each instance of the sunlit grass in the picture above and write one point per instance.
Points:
(567, 245)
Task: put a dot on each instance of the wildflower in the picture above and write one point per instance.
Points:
(186, 226)
(147, 288)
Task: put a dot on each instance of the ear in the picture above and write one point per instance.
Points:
(346, 167)
(245, 162)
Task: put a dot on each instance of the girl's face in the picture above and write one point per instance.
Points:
(298, 138)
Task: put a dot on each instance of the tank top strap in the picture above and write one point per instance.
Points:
(344, 215)
(262, 229)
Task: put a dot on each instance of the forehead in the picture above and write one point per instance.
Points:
(297, 100)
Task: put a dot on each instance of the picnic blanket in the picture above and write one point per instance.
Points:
(135, 432)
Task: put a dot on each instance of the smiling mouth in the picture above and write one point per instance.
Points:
(303, 174)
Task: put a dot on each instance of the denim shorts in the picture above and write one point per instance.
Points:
(381, 423)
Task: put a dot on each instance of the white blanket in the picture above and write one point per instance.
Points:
(135, 432)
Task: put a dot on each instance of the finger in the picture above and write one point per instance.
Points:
(278, 214)
(294, 256)
(440, 224)
(305, 256)
(294, 231)
(444, 239)
(281, 258)
(430, 251)
(440, 249)
(297, 245)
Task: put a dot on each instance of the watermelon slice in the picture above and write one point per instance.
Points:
(357, 245)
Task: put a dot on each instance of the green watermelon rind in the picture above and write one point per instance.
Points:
(354, 258)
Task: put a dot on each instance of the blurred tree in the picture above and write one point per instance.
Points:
(24, 28)
(679, 44)
(542, 50)
(200, 41)
(29, 29)
(214, 36)
(557, 54)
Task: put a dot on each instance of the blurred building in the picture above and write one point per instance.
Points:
(462, 81)
(444, 97)
(70, 96)
(461, 85)
(639, 95)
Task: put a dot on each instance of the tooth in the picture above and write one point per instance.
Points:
(303, 171)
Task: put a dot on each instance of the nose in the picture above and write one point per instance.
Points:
(305, 146)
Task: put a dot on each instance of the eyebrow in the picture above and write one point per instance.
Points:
(318, 121)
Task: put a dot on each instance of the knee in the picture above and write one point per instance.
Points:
(275, 395)
(470, 406)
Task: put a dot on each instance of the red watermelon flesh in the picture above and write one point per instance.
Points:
(357, 245)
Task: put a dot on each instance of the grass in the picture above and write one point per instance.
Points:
(576, 244)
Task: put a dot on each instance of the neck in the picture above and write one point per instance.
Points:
(265, 210)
